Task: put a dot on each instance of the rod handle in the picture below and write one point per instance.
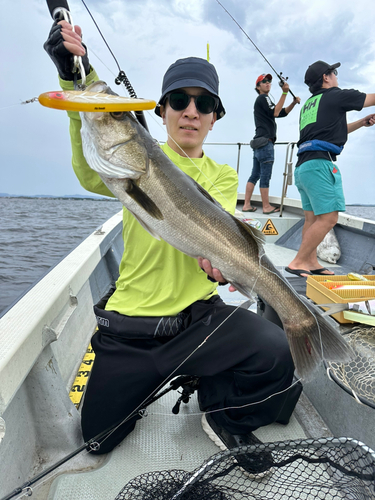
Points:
(56, 6)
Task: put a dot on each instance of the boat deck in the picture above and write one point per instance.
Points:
(162, 440)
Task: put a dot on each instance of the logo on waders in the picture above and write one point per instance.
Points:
(102, 321)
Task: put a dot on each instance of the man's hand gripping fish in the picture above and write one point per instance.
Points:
(172, 206)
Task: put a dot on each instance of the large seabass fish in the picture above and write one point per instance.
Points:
(172, 206)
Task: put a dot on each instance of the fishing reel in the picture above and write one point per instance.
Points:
(189, 384)
(282, 79)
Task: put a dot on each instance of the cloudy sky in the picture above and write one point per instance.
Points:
(146, 36)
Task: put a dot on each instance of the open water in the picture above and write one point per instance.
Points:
(36, 233)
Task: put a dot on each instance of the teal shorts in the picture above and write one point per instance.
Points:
(320, 186)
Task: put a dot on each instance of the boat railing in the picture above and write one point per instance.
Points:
(288, 165)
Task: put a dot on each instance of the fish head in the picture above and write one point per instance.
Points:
(111, 142)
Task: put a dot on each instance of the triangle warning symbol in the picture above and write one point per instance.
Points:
(269, 228)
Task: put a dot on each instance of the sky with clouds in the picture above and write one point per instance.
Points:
(147, 36)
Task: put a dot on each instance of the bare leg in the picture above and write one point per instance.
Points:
(313, 233)
(248, 194)
(266, 202)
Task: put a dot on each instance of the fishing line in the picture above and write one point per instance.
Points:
(107, 434)
(192, 161)
(18, 103)
(218, 190)
(122, 78)
(282, 80)
(231, 407)
(26, 489)
(101, 34)
(294, 293)
(168, 377)
(224, 197)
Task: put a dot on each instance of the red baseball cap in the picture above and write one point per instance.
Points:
(262, 77)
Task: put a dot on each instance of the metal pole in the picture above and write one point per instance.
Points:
(288, 170)
(238, 157)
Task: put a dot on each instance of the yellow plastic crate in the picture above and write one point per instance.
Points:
(319, 289)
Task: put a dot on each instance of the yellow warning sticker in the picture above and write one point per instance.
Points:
(269, 228)
(80, 382)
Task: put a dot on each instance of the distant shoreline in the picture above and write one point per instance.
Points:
(52, 197)
(104, 198)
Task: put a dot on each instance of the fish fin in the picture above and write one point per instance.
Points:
(333, 308)
(145, 226)
(143, 200)
(319, 341)
(246, 230)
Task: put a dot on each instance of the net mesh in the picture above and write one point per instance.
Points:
(330, 469)
(358, 376)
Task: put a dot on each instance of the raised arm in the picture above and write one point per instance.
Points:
(369, 101)
(367, 121)
(61, 45)
(289, 108)
(279, 106)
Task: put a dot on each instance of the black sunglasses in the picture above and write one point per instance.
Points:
(265, 81)
(205, 103)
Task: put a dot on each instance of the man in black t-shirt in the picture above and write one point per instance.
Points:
(323, 133)
(265, 112)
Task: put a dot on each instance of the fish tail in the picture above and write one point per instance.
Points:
(317, 342)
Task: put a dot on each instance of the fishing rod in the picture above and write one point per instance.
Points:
(59, 10)
(188, 384)
(279, 76)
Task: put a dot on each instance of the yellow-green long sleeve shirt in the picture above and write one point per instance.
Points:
(155, 278)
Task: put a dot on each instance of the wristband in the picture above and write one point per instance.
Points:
(285, 93)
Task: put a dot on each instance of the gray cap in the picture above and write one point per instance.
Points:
(191, 72)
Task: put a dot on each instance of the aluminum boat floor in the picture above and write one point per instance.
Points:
(163, 441)
(160, 441)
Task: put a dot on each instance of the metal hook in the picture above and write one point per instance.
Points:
(77, 60)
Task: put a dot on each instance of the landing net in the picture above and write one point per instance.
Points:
(329, 468)
(358, 376)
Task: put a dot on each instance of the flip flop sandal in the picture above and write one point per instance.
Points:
(320, 272)
(276, 209)
(298, 272)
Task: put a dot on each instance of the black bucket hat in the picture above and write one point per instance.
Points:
(191, 72)
(318, 69)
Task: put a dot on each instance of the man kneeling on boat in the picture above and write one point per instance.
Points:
(165, 305)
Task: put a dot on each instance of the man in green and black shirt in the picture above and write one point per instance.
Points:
(323, 134)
